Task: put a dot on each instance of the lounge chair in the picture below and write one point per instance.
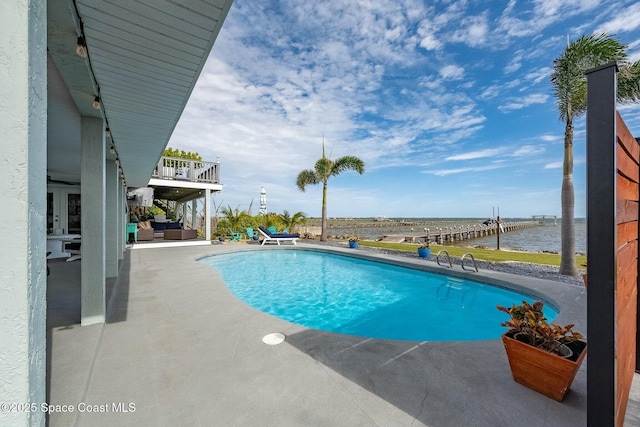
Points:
(274, 237)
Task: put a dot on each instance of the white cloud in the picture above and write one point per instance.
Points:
(472, 31)
(551, 138)
(554, 165)
(451, 72)
(528, 150)
(445, 172)
(539, 75)
(520, 103)
(625, 20)
(490, 152)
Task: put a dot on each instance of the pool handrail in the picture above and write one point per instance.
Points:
(448, 257)
(472, 259)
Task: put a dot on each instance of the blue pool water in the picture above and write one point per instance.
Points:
(351, 296)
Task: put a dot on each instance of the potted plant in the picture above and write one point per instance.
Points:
(353, 241)
(424, 251)
(544, 357)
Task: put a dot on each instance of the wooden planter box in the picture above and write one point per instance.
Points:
(542, 371)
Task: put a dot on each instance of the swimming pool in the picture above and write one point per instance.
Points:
(348, 295)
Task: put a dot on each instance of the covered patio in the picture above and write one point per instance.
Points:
(91, 93)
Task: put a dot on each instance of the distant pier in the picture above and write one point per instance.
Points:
(435, 231)
(454, 234)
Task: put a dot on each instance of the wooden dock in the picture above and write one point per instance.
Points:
(454, 234)
(441, 232)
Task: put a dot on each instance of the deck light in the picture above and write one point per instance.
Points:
(96, 103)
(81, 48)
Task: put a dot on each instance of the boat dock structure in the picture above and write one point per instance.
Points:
(442, 231)
(454, 234)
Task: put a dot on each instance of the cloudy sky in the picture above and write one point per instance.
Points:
(447, 102)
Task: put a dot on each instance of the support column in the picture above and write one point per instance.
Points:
(601, 245)
(112, 230)
(93, 221)
(184, 214)
(122, 197)
(23, 150)
(207, 217)
(194, 214)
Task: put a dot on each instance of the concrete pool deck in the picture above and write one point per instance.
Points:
(183, 350)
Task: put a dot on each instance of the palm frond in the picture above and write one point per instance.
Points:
(307, 177)
(347, 163)
(568, 77)
(629, 82)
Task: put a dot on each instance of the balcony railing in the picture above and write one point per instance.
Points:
(187, 170)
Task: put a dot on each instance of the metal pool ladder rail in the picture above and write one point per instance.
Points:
(472, 259)
(448, 257)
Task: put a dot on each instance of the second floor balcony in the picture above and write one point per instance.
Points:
(173, 168)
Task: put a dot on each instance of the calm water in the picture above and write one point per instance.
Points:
(346, 295)
(535, 239)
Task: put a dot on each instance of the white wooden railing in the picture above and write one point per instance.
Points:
(187, 170)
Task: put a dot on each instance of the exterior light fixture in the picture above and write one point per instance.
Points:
(96, 103)
(107, 132)
(81, 48)
(112, 150)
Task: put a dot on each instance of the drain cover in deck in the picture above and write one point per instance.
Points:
(273, 339)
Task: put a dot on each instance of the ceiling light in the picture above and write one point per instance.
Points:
(112, 150)
(107, 132)
(81, 48)
(96, 103)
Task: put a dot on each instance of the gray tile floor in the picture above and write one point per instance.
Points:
(179, 349)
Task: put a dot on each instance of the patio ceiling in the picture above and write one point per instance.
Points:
(144, 58)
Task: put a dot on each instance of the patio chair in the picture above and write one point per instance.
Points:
(235, 236)
(274, 237)
(73, 247)
(251, 235)
(132, 227)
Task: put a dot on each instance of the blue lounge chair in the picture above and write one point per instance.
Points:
(275, 237)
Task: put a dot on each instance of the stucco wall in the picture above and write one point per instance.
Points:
(23, 149)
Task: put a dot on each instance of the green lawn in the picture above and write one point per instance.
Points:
(490, 255)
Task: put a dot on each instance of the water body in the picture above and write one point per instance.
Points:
(546, 237)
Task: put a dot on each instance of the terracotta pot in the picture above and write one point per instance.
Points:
(544, 372)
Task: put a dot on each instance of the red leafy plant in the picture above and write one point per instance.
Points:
(528, 323)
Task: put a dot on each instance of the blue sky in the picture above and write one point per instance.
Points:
(448, 103)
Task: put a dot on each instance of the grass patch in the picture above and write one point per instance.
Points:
(490, 255)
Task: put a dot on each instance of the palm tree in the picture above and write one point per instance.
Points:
(233, 217)
(570, 88)
(324, 169)
(291, 221)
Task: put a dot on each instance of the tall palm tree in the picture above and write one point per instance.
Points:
(324, 169)
(570, 88)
